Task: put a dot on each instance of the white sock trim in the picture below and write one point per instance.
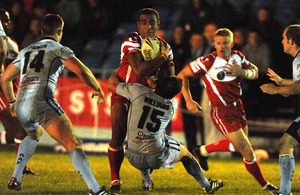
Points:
(281, 155)
(249, 162)
(231, 148)
(18, 141)
(203, 151)
(2, 138)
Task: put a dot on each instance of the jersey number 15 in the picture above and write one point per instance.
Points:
(155, 125)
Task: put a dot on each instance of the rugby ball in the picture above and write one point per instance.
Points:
(150, 48)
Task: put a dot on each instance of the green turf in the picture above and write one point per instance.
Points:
(57, 176)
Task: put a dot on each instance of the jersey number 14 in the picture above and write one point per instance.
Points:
(36, 63)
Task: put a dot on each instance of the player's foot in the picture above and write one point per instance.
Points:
(278, 193)
(149, 188)
(214, 186)
(102, 191)
(13, 184)
(115, 186)
(202, 159)
(28, 171)
(270, 187)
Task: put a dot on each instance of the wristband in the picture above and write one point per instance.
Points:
(11, 102)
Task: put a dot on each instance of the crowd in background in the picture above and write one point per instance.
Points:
(257, 27)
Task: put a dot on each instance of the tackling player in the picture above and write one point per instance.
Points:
(39, 66)
(148, 147)
(291, 138)
(221, 72)
(133, 69)
(14, 132)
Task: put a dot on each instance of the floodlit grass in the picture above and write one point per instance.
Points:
(57, 176)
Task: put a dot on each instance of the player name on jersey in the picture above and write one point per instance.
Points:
(38, 46)
(156, 104)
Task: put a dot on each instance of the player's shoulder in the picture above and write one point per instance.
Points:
(133, 37)
(237, 52)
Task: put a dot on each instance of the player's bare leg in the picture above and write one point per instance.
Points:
(62, 131)
(242, 144)
(116, 151)
(193, 168)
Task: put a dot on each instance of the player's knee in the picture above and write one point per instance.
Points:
(184, 152)
(284, 147)
(35, 134)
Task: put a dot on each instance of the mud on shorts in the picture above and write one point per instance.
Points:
(229, 118)
(33, 112)
(294, 129)
(166, 158)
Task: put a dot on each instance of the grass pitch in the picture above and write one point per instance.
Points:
(57, 176)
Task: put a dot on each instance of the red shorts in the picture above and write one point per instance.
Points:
(117, 98)
(229, 118)
(3, 101)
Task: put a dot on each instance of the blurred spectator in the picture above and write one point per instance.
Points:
(209, 33)
(270, 32)
(257, 52)
(195, 16)
(19, 21)
(97, 20)
(192, 123)
(179, 48)
(34, 33)
(238, 39)
(225, 15)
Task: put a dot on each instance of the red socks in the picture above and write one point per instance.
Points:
(253, 168)
(115, 156)
(219, 146)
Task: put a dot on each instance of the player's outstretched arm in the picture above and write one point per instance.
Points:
(277, 79)
(3, 52)
(293, 89)
(10, 73)
(76, 66)
(191, 105)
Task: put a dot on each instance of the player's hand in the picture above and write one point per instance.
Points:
(164, 51)
(12, 109)
(193, 106)
(274, 77)
(100, 95)
(234, 69)
(268, 88)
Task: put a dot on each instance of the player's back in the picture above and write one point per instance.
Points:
(40, 65)
(148, 116)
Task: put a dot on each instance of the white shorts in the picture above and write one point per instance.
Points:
(33, 112)
(162, 159)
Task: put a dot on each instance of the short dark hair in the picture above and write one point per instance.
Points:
(169, 87)
(293, 32)
(51, 23)
(148, 11)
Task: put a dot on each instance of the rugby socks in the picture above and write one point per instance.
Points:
(287, 166)
(192, 166)
(146, 174)
(2, 138)
(26, 149)
(220, 146)
(115, 157)
(82, 166)
(253, 167)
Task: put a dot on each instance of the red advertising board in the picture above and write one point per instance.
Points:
(75, 99)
